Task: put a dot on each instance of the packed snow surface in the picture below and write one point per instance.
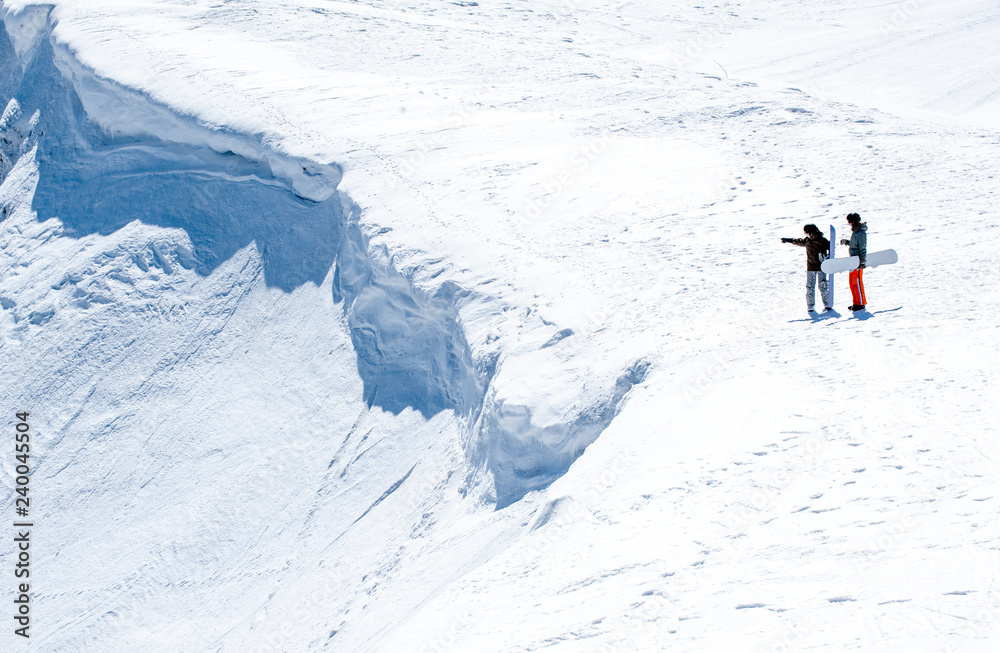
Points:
(466, 326)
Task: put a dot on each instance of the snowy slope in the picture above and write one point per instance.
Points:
(466, 326)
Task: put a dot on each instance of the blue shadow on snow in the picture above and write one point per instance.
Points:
(410, 347)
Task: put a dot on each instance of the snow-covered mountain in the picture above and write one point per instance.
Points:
(466, 326)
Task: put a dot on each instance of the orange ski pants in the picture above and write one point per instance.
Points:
(857, 287)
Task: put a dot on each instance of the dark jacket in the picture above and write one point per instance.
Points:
(817, 249)
(859, 242)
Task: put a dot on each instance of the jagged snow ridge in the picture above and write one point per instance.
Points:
(157, 258)
(411, 351)
(109, 159)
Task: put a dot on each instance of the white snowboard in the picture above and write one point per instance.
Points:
(875, 259)
(833, 254)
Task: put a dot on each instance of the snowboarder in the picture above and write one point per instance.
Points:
(817, 249)
(858, 244)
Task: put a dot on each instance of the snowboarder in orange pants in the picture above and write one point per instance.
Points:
(858, 247)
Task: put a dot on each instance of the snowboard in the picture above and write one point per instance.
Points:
(875, 259)
(833, 254)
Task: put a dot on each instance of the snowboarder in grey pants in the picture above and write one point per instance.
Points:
(817, 249)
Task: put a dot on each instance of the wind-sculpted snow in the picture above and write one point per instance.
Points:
(96, 182)
(410, 347)
(525, 456)
(411, 350)
(111, 156)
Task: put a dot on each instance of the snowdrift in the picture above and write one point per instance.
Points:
(156, 243)
(112, 155)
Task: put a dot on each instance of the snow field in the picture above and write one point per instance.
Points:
(580, 206)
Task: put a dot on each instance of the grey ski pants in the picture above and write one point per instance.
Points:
(824, 288)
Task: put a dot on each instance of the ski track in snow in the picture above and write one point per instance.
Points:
(466, 326)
